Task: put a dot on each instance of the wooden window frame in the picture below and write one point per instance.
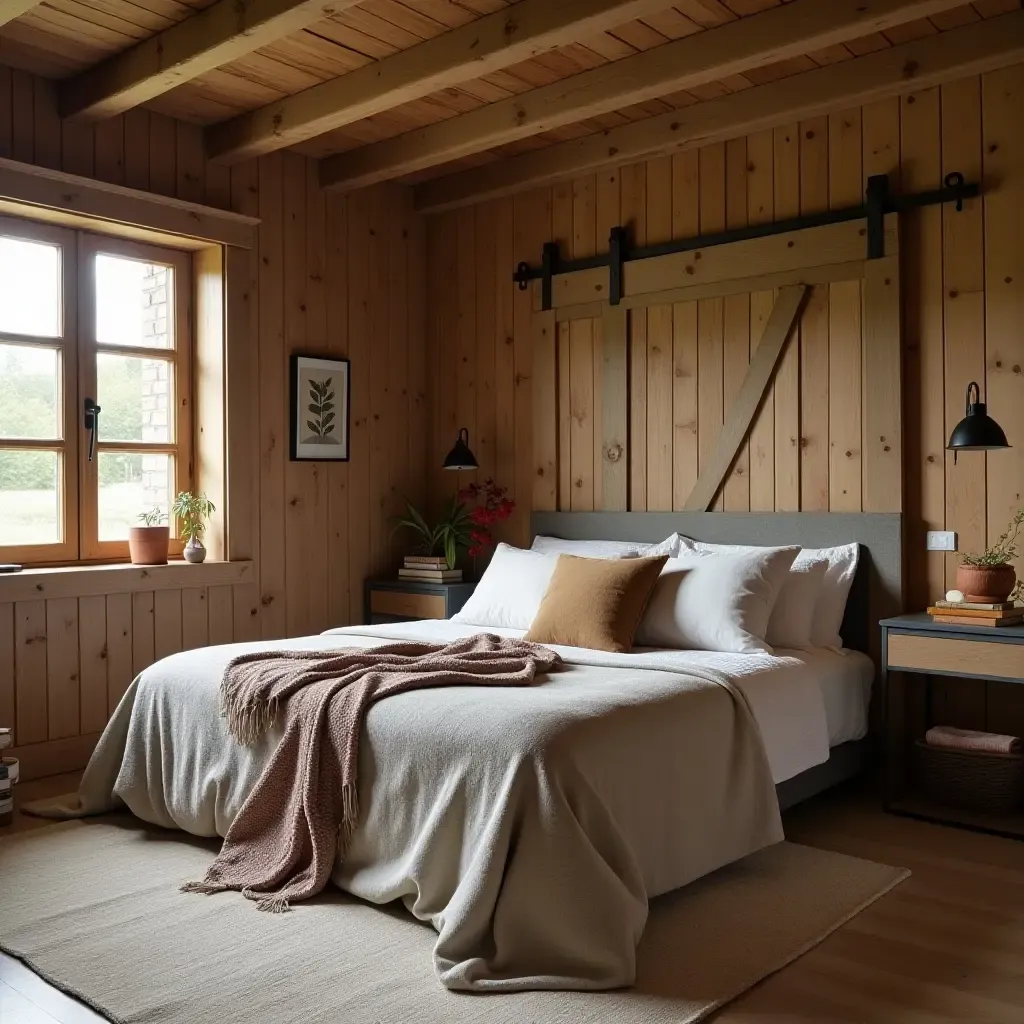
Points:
(179, 356)
(78, 348)
(67, 345)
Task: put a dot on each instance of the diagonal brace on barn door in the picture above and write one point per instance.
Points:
(785, 315)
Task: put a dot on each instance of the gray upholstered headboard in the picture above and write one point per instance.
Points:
(877, 590)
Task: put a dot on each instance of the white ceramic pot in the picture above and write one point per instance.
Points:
(194, 551)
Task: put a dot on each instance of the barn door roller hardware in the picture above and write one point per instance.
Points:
(878, 201)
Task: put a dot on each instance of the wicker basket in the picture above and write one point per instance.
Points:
(970, 779)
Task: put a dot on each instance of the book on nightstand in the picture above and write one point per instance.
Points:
(959, 607)
(429, 569)
(432, 575)
(990, 616)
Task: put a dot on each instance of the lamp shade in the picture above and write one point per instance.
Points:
(977, 431)
(460, 457)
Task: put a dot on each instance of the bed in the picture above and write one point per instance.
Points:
(877, 593)
(530, 826)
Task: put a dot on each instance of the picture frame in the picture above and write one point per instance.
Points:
(319, 408)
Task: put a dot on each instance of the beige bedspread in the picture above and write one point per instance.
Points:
(528, 826)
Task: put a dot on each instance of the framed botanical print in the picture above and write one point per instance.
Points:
(320, 392)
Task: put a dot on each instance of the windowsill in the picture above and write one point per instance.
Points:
(120, 578)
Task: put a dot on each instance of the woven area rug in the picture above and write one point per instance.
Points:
(93, 907)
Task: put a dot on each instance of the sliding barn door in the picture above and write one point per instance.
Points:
(769, 383)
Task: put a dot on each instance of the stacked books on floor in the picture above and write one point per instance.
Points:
(8, 776)
(990, 616)
(429, 569)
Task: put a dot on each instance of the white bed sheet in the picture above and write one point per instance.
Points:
(804, 701)
(846, 680)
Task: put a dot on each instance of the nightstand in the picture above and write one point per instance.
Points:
(917, 644)
(400, 600)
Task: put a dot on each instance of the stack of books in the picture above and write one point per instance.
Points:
(7, 781)
(990, 616)
(429, 568)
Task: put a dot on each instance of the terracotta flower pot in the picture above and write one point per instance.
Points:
(147, 545)
(985, 584)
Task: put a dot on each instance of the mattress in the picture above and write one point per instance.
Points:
(804, 702)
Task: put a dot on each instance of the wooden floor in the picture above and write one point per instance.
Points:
(947, 945)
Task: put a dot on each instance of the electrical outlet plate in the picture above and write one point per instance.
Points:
(941, 540)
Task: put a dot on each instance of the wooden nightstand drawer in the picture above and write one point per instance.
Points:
(408, 606)
(952, 656)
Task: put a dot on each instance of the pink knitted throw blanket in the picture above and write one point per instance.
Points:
(284, 840)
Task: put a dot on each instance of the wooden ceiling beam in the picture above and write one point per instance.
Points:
(11, 9)
(227, 30)
(974, 49)
(779, 33)
(489, 44)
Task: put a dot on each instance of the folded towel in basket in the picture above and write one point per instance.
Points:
(969, 739)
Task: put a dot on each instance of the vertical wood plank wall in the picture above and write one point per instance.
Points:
(330, 275)
(439, 338)
(963, 298)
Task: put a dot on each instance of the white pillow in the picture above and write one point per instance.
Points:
(606, 548)
(792, 621)
(510, 590)
(716, 602)
(833, 591)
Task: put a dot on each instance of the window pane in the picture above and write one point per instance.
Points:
(29, 288)
(134, 303)
(131, 483)
(135, 396)
(29, 497)
(30, 392)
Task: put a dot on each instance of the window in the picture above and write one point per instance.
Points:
(88, 321)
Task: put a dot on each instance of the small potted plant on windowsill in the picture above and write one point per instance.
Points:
(148, 543)
(988, 577)
(192, 511)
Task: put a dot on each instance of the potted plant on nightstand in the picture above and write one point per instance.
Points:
(192, 511)
(988, 577)
(464, 526)
(445, 539)
(147, 544)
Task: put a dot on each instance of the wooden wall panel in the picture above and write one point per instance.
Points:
(331, 275)
(119, 648)
(820, 440)
(195, 624)
(92, 641)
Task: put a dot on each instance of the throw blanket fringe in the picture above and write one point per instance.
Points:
(249, 722)
(283, 843)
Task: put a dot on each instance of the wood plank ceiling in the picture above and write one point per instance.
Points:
(69, 39)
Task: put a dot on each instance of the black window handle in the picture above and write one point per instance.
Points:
(92, 424)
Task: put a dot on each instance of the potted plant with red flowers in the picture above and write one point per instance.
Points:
(464, 525)
(490, 505)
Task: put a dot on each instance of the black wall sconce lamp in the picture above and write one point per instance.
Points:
(460, 457)
(977, 431)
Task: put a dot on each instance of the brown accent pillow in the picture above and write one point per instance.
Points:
(595, 602)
